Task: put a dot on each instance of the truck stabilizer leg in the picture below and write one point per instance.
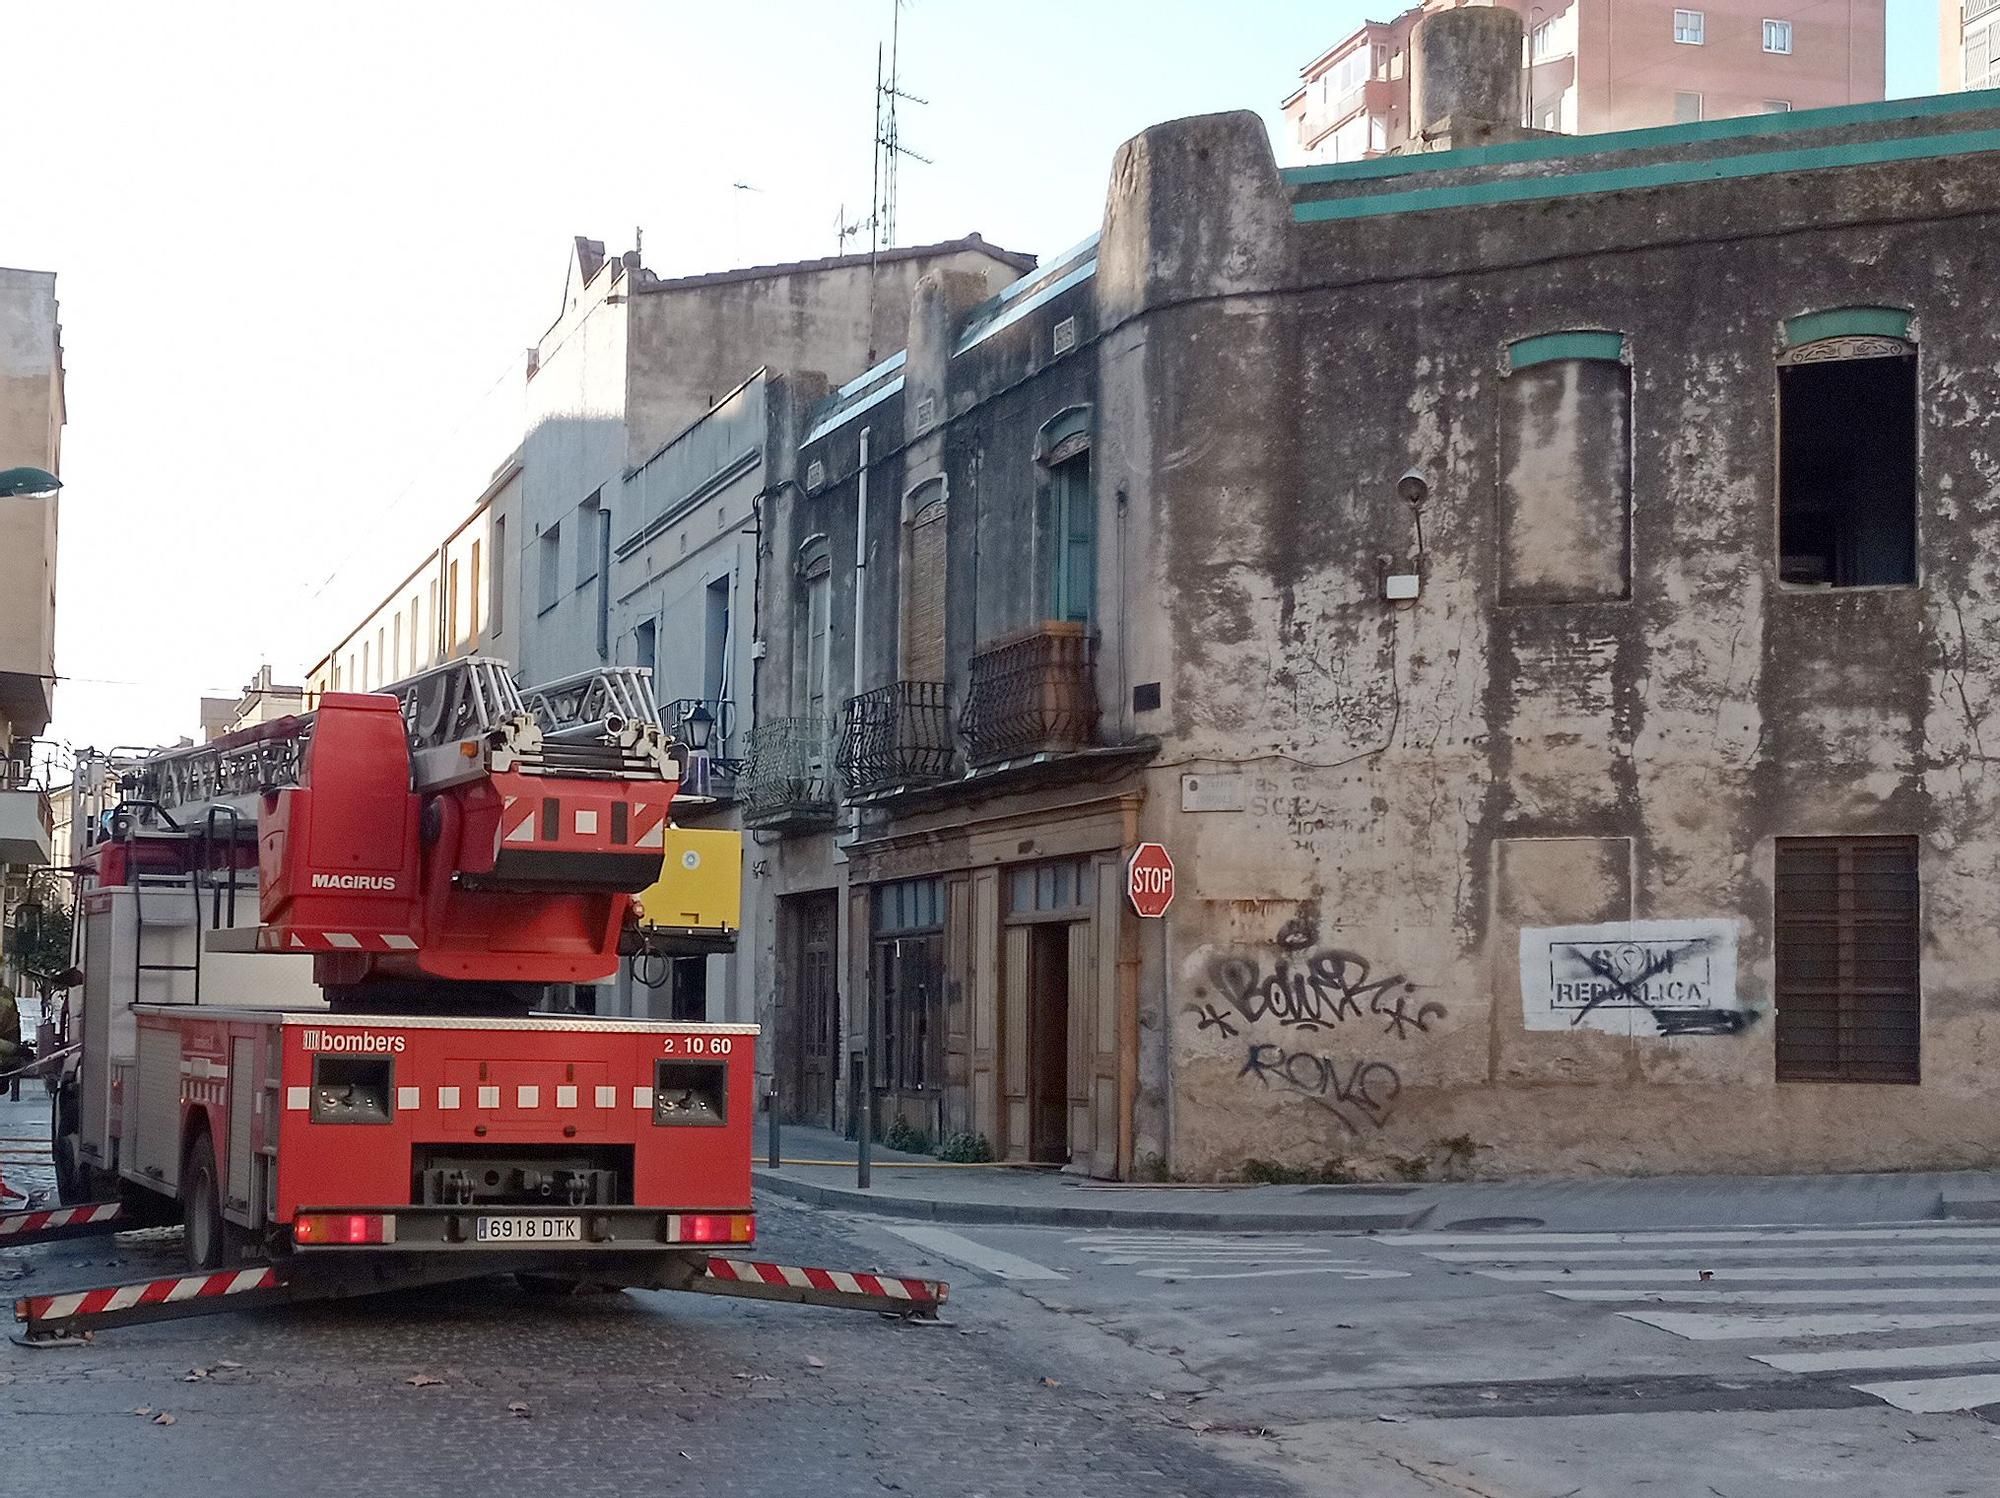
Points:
(756, 1280)
(93, 1219)
(50, 1317)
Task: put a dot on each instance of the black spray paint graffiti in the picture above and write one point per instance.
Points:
(1321, 991)
(1214, 1019)
(1361, 1094)
(1666, 980)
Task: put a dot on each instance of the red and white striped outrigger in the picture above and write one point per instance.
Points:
(45, 1225)
(67, 1313)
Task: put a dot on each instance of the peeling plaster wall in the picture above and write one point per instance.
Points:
(1341, 976)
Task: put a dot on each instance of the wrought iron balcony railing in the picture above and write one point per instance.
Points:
(1034, 692)
(788, 773)
(895, 735)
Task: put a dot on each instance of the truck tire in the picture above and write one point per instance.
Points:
(208, 1242)
(66, 1145)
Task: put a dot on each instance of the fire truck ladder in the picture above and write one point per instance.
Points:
(69, 1314)
(464, 718)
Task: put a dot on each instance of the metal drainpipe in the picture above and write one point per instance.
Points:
(867, 1109)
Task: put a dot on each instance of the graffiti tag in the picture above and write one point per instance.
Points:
(1633, 978)
(1362, 1093)
(1321, 991)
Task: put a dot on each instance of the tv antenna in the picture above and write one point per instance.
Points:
(889, 148)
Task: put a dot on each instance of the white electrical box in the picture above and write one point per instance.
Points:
(1399, 587)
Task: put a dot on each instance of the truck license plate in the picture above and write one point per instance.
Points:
(528, 1230)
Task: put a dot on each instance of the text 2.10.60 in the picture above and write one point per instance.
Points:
(695, 1045)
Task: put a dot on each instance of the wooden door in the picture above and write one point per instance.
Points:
(1048, 1042)
(815, 1008)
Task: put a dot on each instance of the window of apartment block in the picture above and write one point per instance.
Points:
(1690, 27)
(1565, 494)
(924, 565)
(586, 539)
(604, 585)
(396, 644)
(816, 614)
(1776, 106)
(1847, 926)
(646, 645)
(1541, 41)
(907, 969)
(384, 671)
(550, 548)
(496, 612)
(361, 681)
(472, 593)
(451, 634)
(1069, 517)
(1847, 450)
(715, 639)
(418, 660)
(1687, 108)
(1778, 36)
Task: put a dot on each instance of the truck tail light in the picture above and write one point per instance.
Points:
(717, 1227)
(319, 1229)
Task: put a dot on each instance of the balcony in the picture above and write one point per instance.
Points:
(27, 825)
(714, 774)
(787, 778)
(898, 735)
(1032, 693)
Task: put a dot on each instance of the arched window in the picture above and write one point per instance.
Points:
(1847, 449)
(815, 615)
(1565, 520)
(924, 571)
(1067, 516)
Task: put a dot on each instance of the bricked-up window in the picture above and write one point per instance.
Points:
(1847, 930)
(1847, 462)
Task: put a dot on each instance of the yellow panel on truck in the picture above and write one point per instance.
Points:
(701, 883)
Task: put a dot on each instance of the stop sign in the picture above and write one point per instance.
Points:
(1149, 880)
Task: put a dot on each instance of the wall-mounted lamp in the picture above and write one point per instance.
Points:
(27, 483)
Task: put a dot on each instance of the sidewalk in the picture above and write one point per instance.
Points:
(920, 1187)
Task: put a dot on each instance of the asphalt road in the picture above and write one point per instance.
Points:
(1841, 1361)
(629, 1393)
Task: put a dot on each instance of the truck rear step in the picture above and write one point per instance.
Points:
(90, 1220)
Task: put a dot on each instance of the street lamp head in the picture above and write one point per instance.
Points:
(27, 483)
(700, 724)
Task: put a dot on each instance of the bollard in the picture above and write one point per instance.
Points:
(771, 1114)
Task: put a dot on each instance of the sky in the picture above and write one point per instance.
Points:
(301, 250)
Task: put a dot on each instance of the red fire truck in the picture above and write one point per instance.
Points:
(312, 1019)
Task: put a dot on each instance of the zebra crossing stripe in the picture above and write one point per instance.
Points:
(1702, 1254)
(1915, 1295)
(1937, 1396)
(1938, 1355)
(1769, 1234)
(1744, 1326)
(1745, 1272)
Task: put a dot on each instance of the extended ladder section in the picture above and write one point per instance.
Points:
(465, 718)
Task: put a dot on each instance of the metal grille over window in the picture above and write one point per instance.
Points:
(1849, 1004)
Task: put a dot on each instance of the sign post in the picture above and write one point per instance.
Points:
(1149, 880)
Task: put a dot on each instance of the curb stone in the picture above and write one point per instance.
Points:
(1351, 1220)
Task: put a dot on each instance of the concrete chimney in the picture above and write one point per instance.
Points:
(1465, 79)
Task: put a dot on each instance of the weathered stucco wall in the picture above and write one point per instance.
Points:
(1416, 784)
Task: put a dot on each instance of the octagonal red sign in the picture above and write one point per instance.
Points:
(1149, 880)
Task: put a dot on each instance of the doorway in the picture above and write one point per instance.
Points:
(1048, 1042)
(811, 1018)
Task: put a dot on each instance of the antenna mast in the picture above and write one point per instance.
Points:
(889, 149)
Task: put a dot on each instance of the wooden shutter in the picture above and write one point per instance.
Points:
(1849, 1002)
(923, 596)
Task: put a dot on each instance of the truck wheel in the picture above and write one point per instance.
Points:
(72, 1178)
(201, 1204)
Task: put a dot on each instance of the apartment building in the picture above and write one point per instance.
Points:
(1590, 66)
(32, 414)
(1968, 44)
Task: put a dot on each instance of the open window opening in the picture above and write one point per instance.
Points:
(1847, 464)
